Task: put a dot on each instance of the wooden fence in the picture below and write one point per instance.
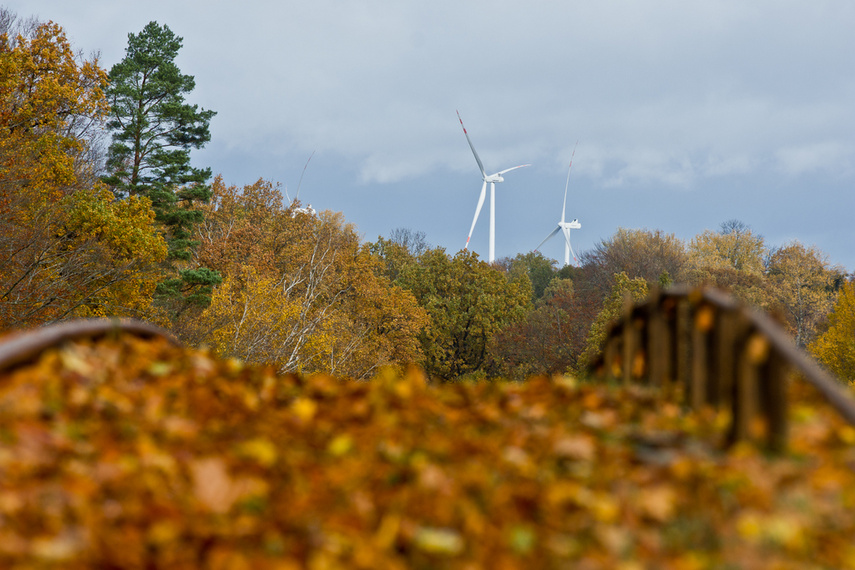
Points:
(23, 346)
(718, 352)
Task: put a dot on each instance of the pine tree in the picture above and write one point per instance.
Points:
(154, 129)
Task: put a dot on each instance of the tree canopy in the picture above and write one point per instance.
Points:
(66, 247)
(835, 347)
(154, 129)
(468, 302)
(300, 292)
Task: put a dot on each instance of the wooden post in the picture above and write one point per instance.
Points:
(668, 323)
(629, 341)
(719, 352)
(773, 398)
(723, 361)
(702, 323)
(752, 353)
(610, 353)
(683, 347)
(657, 341)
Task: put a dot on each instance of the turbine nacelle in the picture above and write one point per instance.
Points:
(493, 178)
(574, 225)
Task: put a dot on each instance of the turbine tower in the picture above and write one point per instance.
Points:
(565, 226)
(492, 179)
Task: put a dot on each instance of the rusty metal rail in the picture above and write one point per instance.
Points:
(18, 348)
(720, 353)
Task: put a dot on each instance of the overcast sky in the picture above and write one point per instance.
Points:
(687, 114)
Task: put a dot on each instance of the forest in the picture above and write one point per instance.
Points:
(329, 402)
(103, 215)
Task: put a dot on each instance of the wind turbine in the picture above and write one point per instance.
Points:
(492, 179)
(308, 209)
(565, 226)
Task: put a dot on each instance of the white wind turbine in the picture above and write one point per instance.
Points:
(308, 209)
(492, 179)
(565, 226)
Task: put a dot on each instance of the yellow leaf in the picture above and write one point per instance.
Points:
(439, 541)
(340, 445)
(304, 408)
(260, 449)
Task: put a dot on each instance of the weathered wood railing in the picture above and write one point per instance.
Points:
(22, 346)
(720, 353)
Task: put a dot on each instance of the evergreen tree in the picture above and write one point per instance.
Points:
(154, 129)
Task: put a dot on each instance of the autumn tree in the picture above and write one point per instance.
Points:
(395, 253)
(802, 287)
(644, 254)
(468, 302)
(625, 289)
(731, 259)
(299, 290)
(835, 347)
(51, 104)
(154, 129)
(548, 340)
(66, 247)
(413, 241)
(540, 269)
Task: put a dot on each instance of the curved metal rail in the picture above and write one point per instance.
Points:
(22, 347)
(721, 352)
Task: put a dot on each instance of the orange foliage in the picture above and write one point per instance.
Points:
(134, 453)
(67, 247)
(299, 291)
(50, 103)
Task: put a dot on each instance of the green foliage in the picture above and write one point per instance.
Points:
(193, 286)
(624, 289)
(540, 269)
(154, 129)
(468, 302)
(393, 256)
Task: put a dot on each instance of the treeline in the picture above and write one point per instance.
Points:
(563, 322)
(131, 229)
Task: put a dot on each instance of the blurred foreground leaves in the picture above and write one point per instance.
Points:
(134, 453)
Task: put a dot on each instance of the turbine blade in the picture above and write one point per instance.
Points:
(300, 183)
(477, 212)
(567, 184)
(513, 168)
(555, 231)
(475, 152)
(567, 239)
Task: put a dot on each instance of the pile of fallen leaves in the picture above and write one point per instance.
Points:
(131, 453)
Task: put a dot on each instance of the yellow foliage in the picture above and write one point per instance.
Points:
(299, 291)
(728, 260)
(835, 348)
(68, 248)
(49, 103)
